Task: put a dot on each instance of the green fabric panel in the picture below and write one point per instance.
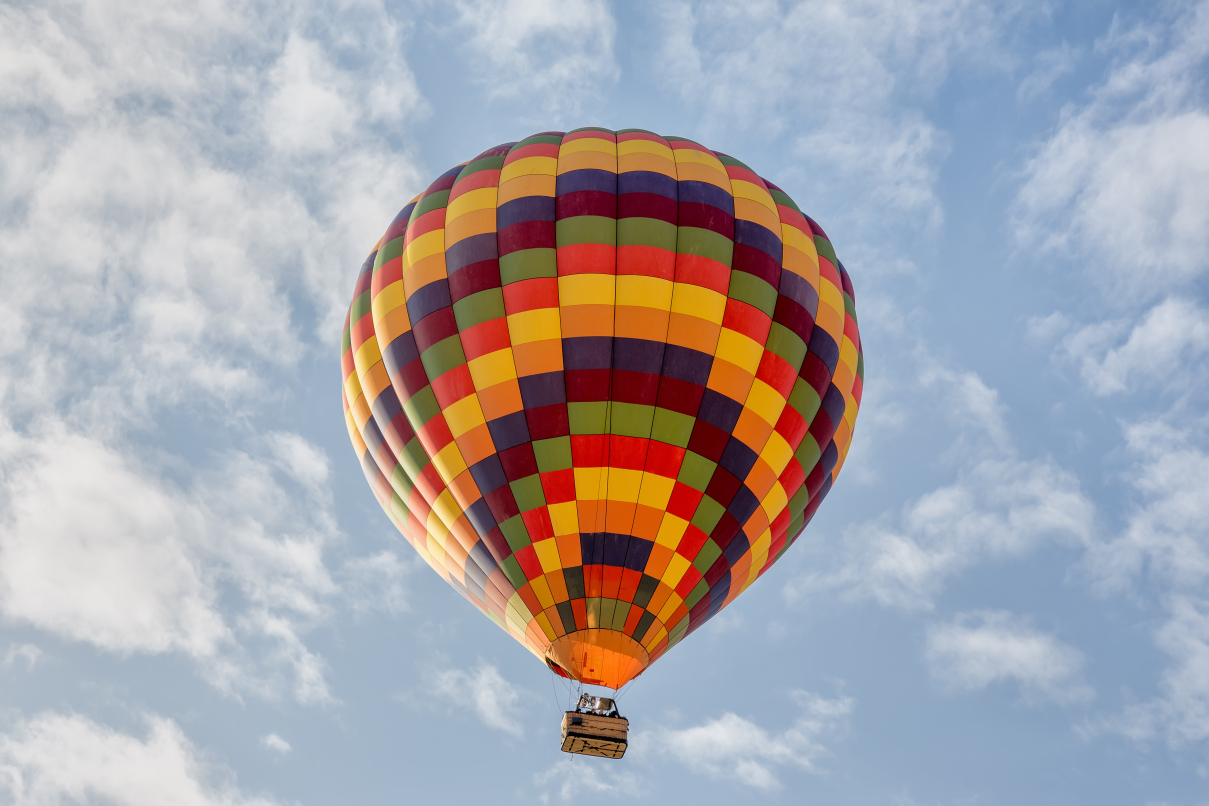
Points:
(620, 613)
(805, 400)
(516, 534)
(552, 454)
(574, 577)
(528, 264)
(696, 594)
(708, 513)
(709, 554)
(421, 407)
(860, 364)
(586, 229)
(443, 356)
(677, 633)
(592, 606)
(434, 201)
(631, 420)
(695, 471)
(754, 291)
(398, 508)
(485, 164)
(389, 251)
(346, 341)
(727, 160)
(706, 243)
(512, 570)
(797, 504)
(480, 307)
(548, 139)
(588, 418)
(608, 607)
(360, 307)
(825, 249)
(808, 452)
(785, 343)
(401, 481)
(414, 458)
(528, 493)
(592, 129)
(636, 231)
(780, 197)
(672, 427)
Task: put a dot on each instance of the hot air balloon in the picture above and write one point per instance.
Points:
(601, 381)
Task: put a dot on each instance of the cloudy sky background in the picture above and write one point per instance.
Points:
(1005, 599)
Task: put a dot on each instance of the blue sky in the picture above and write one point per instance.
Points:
(1005, 599)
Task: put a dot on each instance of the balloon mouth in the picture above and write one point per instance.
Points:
(598, 657)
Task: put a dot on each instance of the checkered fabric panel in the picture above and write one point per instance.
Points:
(601, 381)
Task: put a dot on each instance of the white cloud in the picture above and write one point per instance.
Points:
(375, 582)
(999, 507)
(56, 758)
(976, 650)
(484, 693)
(731, 747)
(188, 193)
(1048, 68)
(29, 654)
(92, 551)
(573, 780)
(847, 79)
(1161, 347)
(98, 548)
(1165, 537)
(191, 198)
(1180, 713)
(275, 743)
(557, 53)
(1124, 181)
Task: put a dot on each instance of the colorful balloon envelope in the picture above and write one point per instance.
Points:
(600, 381)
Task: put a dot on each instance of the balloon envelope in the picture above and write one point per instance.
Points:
(600, 381)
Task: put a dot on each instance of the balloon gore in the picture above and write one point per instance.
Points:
(601, 381)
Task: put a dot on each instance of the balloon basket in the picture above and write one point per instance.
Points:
(595, 728)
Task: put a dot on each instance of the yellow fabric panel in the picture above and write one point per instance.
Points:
(624, 484)
(656, 490)
(671, 530)
(547, 555)
(528, 165)
(739, 350)
(539, 324)
(587, 289)
(589, 482)
(672, 576)
(430, 243)
(742, 189)
(644, 147)
(643, 291)
(765, 401)
(703, 303)
(587, 144)
(479, 199)
(777, 452)
(449, 462)
(564, 517)
(492, 368)
(464, 415)
(538, 184)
